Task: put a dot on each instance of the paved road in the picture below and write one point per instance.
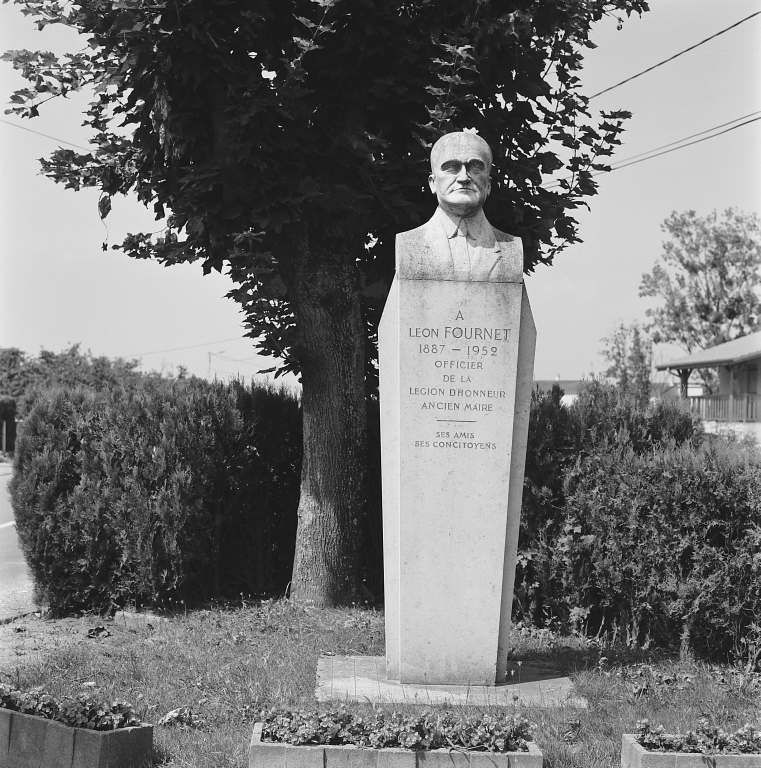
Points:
(15, 584)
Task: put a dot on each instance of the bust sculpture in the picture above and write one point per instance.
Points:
(458, 243)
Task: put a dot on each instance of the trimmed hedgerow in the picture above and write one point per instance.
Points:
(705, 739)
(79, 712)
(663, 547)
(429, 730)
(163, 492)
(602, 419)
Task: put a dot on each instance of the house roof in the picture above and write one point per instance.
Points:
(569, 386)
(728, 353)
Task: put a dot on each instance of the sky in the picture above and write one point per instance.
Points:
(59, 287)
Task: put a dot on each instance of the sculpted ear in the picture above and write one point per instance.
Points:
(432, 183)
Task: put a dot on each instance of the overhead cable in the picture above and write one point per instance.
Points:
(674, 149)
(650, 156)
(177, 349)
(676, 55)
(46, 135)
(691, 136)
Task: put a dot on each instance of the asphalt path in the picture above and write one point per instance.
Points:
(15, 584)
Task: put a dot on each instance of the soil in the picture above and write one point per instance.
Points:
(28, 638)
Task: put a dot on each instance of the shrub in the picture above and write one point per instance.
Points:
(163, 491)
(663, 547)
(601, 419)
(602, 416)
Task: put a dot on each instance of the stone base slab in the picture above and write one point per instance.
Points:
(363, 678)
(634, 755)
(270, 755)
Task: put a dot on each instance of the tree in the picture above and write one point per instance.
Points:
(628, 350)
(288, 140)
(23, 377)
(708, 280)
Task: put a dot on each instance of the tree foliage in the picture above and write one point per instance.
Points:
(628, 351)
(24, 376)
(249, 119)
(287, 141)
(707, 280)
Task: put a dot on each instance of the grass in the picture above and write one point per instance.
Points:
(226, 665)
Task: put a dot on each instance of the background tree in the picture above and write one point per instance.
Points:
(628, 351)
(708, 281)
(24, 376)
(288, 142)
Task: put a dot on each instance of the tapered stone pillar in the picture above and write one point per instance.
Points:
(456, 367)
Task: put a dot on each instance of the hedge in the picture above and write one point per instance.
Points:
(163, 492)
(601, 419)
(665, 548)
(633, 529)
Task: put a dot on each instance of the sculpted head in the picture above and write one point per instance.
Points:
(460, 167)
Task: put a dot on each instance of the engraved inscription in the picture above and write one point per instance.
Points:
(464, 355)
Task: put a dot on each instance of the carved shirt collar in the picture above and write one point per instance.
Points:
(476, 227)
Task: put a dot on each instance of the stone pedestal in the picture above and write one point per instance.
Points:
(456, 363)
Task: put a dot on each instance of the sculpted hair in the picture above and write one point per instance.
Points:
(459, 139)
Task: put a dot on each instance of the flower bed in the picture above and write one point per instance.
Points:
(78, 712)
(340, 738)
(37, 729)
(706, 745)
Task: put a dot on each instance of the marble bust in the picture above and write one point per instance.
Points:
(458, 243)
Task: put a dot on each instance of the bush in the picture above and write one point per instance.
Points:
(663, 547)
(163, 491)
(602, 419)
(602, 416)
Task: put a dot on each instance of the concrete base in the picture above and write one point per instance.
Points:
(363, 678)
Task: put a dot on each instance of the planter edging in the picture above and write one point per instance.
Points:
(30, 740)
(634, 755)
(264, 754)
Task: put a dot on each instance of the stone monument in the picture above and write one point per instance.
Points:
(456, 359)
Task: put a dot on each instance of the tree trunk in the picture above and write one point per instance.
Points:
(323, 280)
(684, 378)
(324, 285)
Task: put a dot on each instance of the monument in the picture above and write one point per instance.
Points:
(456, 351)
(456, 354)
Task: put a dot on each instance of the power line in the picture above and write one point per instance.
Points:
(176, 349)
(233, 359)
(676, 55)
(632, 161)
(697, 141)
(46, 135)
(691, 136)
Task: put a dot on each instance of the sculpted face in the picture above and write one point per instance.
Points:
(460, 167)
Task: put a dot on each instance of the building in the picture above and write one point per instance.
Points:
(737, 404)
(570, 388)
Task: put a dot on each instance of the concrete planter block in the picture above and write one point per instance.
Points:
(268, 755)
(634, 755)
(28, 741)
